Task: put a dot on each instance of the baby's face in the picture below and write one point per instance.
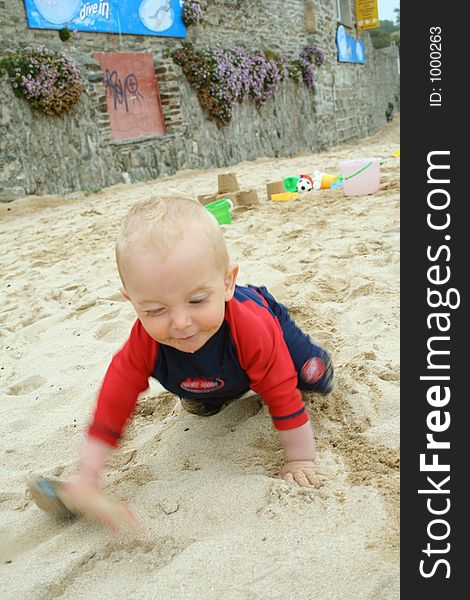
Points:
(180, 299)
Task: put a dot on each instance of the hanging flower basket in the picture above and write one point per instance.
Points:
(192, 12)
(49, 80)
(223, 77)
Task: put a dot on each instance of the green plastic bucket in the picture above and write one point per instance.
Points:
(221, 210)
(290, 183)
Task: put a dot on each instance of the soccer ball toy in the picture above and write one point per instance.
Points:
(305, 183)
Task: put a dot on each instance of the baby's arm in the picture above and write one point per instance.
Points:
(93, 461)
(126, 378)
(80, 494)
(299, 455)
(83, 494)
(265, 357)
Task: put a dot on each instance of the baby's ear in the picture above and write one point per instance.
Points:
(230, 280)
(125, 294)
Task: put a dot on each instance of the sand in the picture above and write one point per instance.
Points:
(221, 524)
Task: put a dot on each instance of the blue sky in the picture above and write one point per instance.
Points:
(386, 9)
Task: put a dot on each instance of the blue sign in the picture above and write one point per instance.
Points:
(142, 17)
(349, 49)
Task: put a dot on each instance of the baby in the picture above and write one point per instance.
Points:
(203, 337)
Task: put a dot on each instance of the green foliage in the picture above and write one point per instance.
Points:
(294, 68)
(65, 34)
(397, 18)
(380, 39)
(382, 36)
(387, 32)
(270, 55)
(388, 26)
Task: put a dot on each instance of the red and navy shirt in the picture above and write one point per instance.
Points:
(247, 352)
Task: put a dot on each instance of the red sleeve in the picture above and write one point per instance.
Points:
(127, 376)
(265, 358)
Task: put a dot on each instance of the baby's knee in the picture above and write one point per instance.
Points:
(317, 374)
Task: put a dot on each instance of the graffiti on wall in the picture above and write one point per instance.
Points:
(132, 95)
(121, 92)
(142, 17)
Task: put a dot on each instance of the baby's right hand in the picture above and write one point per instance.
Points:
(88, 500)
(303, 473)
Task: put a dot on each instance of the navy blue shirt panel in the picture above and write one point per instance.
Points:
(213, 371)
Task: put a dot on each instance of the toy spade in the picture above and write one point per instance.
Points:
(46, 495)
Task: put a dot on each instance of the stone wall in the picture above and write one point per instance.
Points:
(57, 155)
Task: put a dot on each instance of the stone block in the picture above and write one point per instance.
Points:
(275, 187)
(248, 198)
(227, 182)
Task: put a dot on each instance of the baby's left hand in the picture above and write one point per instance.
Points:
(303, 473)
(88, 500)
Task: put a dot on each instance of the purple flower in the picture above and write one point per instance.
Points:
(49, 80)
(192, 12)
(223, 77)
(309, 56)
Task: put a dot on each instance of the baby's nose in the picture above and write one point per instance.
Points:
(180, 320)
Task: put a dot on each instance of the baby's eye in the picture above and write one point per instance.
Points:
(155, 313)
(197, 300)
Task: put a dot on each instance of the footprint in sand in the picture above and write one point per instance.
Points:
(389, 373)
(330, 288)
(108, 316)
(39, 314)
(38, 264)
(111, 332)
(280, 267)
(26, 386)
(20, 425)
(363, 289)
(158, 407)
(116, 297)
(243, 409)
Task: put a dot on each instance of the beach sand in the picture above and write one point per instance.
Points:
(221, 524)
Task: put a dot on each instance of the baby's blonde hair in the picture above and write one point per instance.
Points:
(163, 222)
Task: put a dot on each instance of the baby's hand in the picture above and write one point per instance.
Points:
(88, 500)
(303, 473)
